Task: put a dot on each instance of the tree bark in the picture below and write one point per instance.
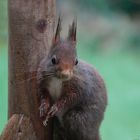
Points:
(19, 127)
(31, 25)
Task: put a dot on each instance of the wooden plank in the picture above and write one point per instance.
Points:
(31, 25)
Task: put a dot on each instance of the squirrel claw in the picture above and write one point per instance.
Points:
(52, 111)
(41, 112)
(43, 109)
(45, 122)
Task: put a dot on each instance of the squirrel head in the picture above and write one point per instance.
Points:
(62, 56)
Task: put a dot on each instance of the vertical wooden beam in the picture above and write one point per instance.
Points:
(31, 25)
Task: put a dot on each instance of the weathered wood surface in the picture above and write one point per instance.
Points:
(19, 127)
(31, 25)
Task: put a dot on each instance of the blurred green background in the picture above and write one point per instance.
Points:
(109, 39)
(3, 63)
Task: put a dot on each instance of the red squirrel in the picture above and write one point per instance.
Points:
(71, 90)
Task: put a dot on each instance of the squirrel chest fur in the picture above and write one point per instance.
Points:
(71, 91)
(55, 87)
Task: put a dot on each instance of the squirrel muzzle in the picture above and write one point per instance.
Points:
(65, 74)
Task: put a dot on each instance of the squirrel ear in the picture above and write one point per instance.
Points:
(72, 31)
(58, 30)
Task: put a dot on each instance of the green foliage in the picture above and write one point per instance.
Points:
(99, 5)
(127, 6)
(3, 64)
(134, 41)
(3, 20)
(3, 85)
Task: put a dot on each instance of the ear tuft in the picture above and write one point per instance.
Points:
(58, 30)
(72, 31)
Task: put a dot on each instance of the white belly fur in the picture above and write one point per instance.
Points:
(55, 87)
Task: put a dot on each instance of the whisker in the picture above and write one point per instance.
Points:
(21, 81)
(48, 74)
(32, 73)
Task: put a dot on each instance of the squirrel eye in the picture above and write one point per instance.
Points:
(54, 60)
(76, 62)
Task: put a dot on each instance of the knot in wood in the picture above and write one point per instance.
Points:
(42, 25)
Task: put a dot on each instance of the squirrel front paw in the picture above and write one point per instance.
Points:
(53, 110)
(43, 109)
(45, 122)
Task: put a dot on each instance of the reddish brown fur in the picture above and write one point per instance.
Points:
(82, 101)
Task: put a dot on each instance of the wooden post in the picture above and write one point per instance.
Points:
(31, 25)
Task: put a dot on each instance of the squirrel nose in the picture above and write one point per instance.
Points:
(66, 74)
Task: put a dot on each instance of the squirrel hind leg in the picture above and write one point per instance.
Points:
(97, 137)
(59, 132)
(77, 127)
